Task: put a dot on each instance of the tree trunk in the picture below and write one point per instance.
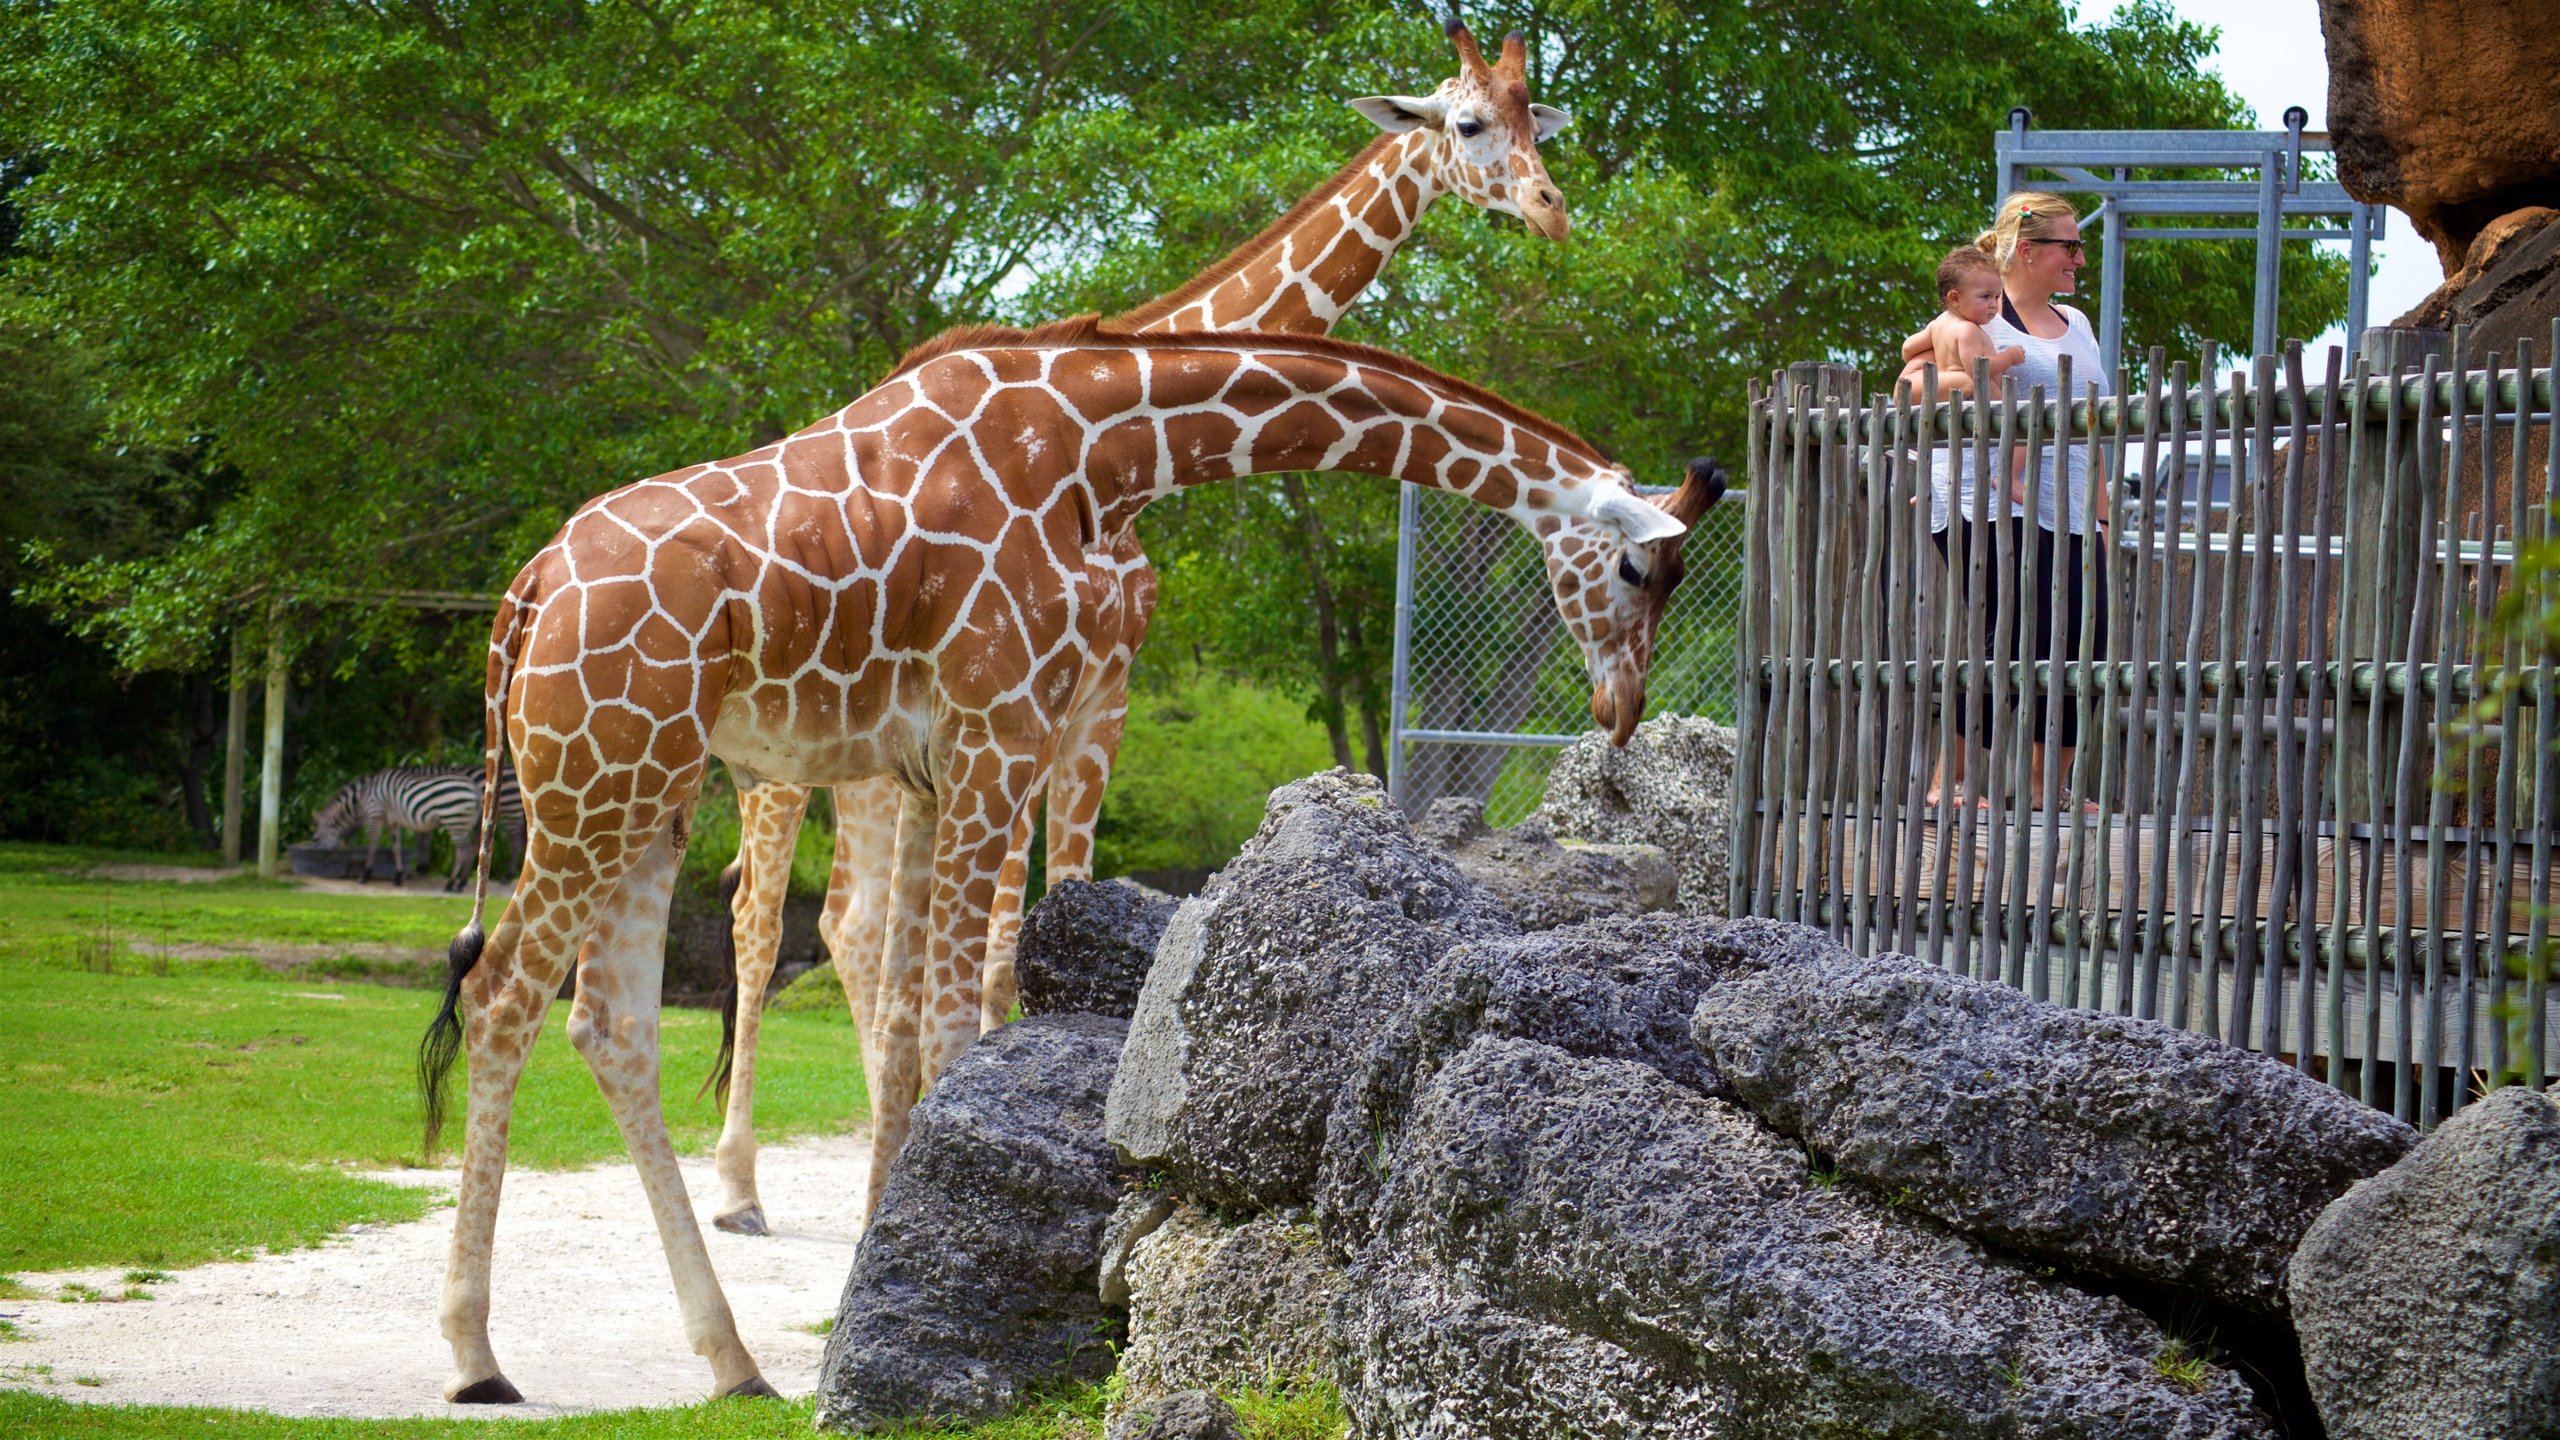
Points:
(204, 718)
(1311, 541)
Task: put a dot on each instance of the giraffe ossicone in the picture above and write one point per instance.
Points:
(901, 589)
(1476, 136)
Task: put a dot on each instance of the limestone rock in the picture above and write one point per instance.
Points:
(1133, 1220)
(1622, 988)
(1576, 1246)
(977, 1278)
(2096, 1142)
(2450, 112)
(1086, 947)
(1671, 787)
(1269, 985)
(1542, 883)
(1224, 1307)
(1189, 1415)
(2428, 1298)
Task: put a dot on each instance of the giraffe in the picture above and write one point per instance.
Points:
(1476, 136)
(898, 590)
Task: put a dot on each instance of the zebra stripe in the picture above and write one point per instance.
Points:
(421, 798)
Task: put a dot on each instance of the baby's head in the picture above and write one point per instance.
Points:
(1969, 285)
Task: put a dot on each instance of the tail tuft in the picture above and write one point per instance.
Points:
(716, 1084)
(443, 1042)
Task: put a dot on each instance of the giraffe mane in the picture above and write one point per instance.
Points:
(1209, 279)
(1094, 330)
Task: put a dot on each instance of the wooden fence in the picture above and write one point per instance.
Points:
(2312, 809)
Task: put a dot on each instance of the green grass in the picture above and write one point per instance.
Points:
(164, 1119)
(1307, 1413)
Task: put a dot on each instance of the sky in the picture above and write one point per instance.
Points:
(2272, 57)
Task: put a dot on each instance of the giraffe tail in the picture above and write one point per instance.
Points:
(442, 1044)
(716, 1084)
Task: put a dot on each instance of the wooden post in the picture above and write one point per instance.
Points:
(235, 747)
(2379, 547)
(271, 763)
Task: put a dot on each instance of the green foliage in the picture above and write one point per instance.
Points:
(165, 1119)
(317, 303)
(1199, 758)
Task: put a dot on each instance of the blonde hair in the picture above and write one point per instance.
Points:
(2024, 215)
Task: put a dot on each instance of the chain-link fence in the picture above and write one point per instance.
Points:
(1492, 686)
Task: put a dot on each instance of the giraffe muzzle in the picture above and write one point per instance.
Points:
(1544, 213)
(1616, 706)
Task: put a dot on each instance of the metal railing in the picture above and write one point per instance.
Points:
(2302, 814)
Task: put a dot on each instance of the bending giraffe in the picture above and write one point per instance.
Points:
(900, 590)
(1475, 136)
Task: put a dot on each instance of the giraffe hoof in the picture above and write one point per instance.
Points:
(748, 1221)
(493, 1391)
(751, 1388)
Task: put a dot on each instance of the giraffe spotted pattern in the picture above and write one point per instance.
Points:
(901, 590)
(1475, 136)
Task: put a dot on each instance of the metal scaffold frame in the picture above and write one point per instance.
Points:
(2104, 162)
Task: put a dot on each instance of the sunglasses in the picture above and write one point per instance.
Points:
(2078, 250)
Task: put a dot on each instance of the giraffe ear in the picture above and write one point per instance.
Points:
(1396, 114)
(1640, 521)
(1546, 122)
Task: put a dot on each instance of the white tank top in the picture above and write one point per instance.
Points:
(2041, 367)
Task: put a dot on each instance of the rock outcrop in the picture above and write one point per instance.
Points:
(1671, 788)
(1086, 947)
(1214, 1306)
(977, 1279)
(1544, 883)
(1583, 1246)
(2428, 1298)
(2449, 112)
(2099, 1143)
(1624, 989)
(1188, 1415)
(1269, 985)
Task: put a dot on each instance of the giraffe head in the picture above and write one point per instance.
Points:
(1613, 569)
(1484, 133)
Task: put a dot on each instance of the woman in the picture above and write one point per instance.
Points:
(2036, 244)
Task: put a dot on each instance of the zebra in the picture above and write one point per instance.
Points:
(421, 798)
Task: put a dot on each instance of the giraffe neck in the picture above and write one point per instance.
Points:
(1302, 273)
(1159, 414)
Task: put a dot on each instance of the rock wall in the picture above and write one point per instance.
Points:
(2448, 110)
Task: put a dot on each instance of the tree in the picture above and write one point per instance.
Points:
(420, 277)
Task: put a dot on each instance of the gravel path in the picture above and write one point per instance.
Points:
(583, 1315)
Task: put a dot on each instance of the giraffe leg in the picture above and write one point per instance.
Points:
(856, 926)
(971, 839)
(897, 1009)
(614, 1025)
(503, 1001)
(769, 830)
(997, 987)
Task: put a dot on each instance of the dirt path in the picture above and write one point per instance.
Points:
(583, 1315)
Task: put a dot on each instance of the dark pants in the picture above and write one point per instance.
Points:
(2037, 604)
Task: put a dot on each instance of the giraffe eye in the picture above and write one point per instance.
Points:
(1628, 572)
(1469, 129)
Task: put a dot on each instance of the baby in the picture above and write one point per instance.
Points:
(1969, 289)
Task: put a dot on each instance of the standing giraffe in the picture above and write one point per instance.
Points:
(900, 590)
(1475, 136)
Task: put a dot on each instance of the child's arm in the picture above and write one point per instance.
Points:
(1920, 344)
(1972, 342)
